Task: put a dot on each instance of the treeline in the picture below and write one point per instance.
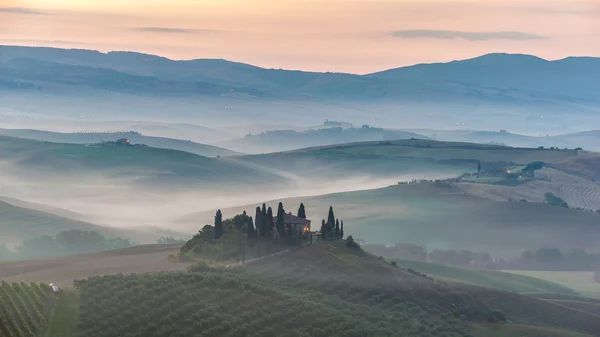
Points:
(244, 236)
(551, 259)
(64, 243)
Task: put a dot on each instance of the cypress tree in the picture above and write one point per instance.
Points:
(331, 217)
(323, 229)
(218, 225)
(478, 167)
(280, 223)
(268, 223)
(342, 230)
(337, 228)
(302, 211)
(250, 232)
(258, 217)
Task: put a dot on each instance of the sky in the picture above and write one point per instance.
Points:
(356, 36)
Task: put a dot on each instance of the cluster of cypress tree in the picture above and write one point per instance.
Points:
(333, 228)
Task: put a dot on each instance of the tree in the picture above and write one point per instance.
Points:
(263, 220)
(342, 230)
(250, 232)
(478, 167)
(268, 222)
(302, 211)
(323, 229)
(258, 217)
(280, 223)
(331, 217)
(337, 228)
(218, 224)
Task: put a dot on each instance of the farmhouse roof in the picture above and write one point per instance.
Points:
(289, 218)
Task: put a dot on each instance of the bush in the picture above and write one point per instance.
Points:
(351, 243)
(553, 200)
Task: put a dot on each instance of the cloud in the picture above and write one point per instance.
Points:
(21, 10)
(171, 30)
(471, 36)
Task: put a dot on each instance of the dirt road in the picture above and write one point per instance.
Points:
(63, 271)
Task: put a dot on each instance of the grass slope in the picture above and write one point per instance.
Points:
(142, 165)
(387, 158)
(440, 216)
(18, 224)
(135, 138)
(582, 282)
(492, 279)
(63, 322)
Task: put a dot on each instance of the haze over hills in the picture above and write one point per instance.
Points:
(492, 91)
(285, 140)
(131, 186)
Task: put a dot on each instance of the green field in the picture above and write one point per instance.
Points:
(63, 321)
(582, 282)
(492, 279)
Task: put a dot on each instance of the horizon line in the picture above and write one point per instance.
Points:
(306, 71)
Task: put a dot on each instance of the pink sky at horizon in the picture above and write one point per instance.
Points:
(357, 36)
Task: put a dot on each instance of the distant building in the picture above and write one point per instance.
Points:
(123, 141)
(294, 222)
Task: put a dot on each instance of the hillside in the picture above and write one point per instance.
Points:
(134, 137)
(144, 166)
(442, 216)
(587, 140)
(19, 223)
(326, 289)
(285, 140)
(493, 77)
(62, 271)
(485, 278)
(416, 157)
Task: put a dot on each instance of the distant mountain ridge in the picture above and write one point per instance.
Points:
(492, 77)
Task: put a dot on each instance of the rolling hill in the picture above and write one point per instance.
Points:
(286, 140)
(134, 137)
(442, 216)
(326, 289)
(416, 157)
(485, 278)
(588, 140)
(19, 223)
(146, 166)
